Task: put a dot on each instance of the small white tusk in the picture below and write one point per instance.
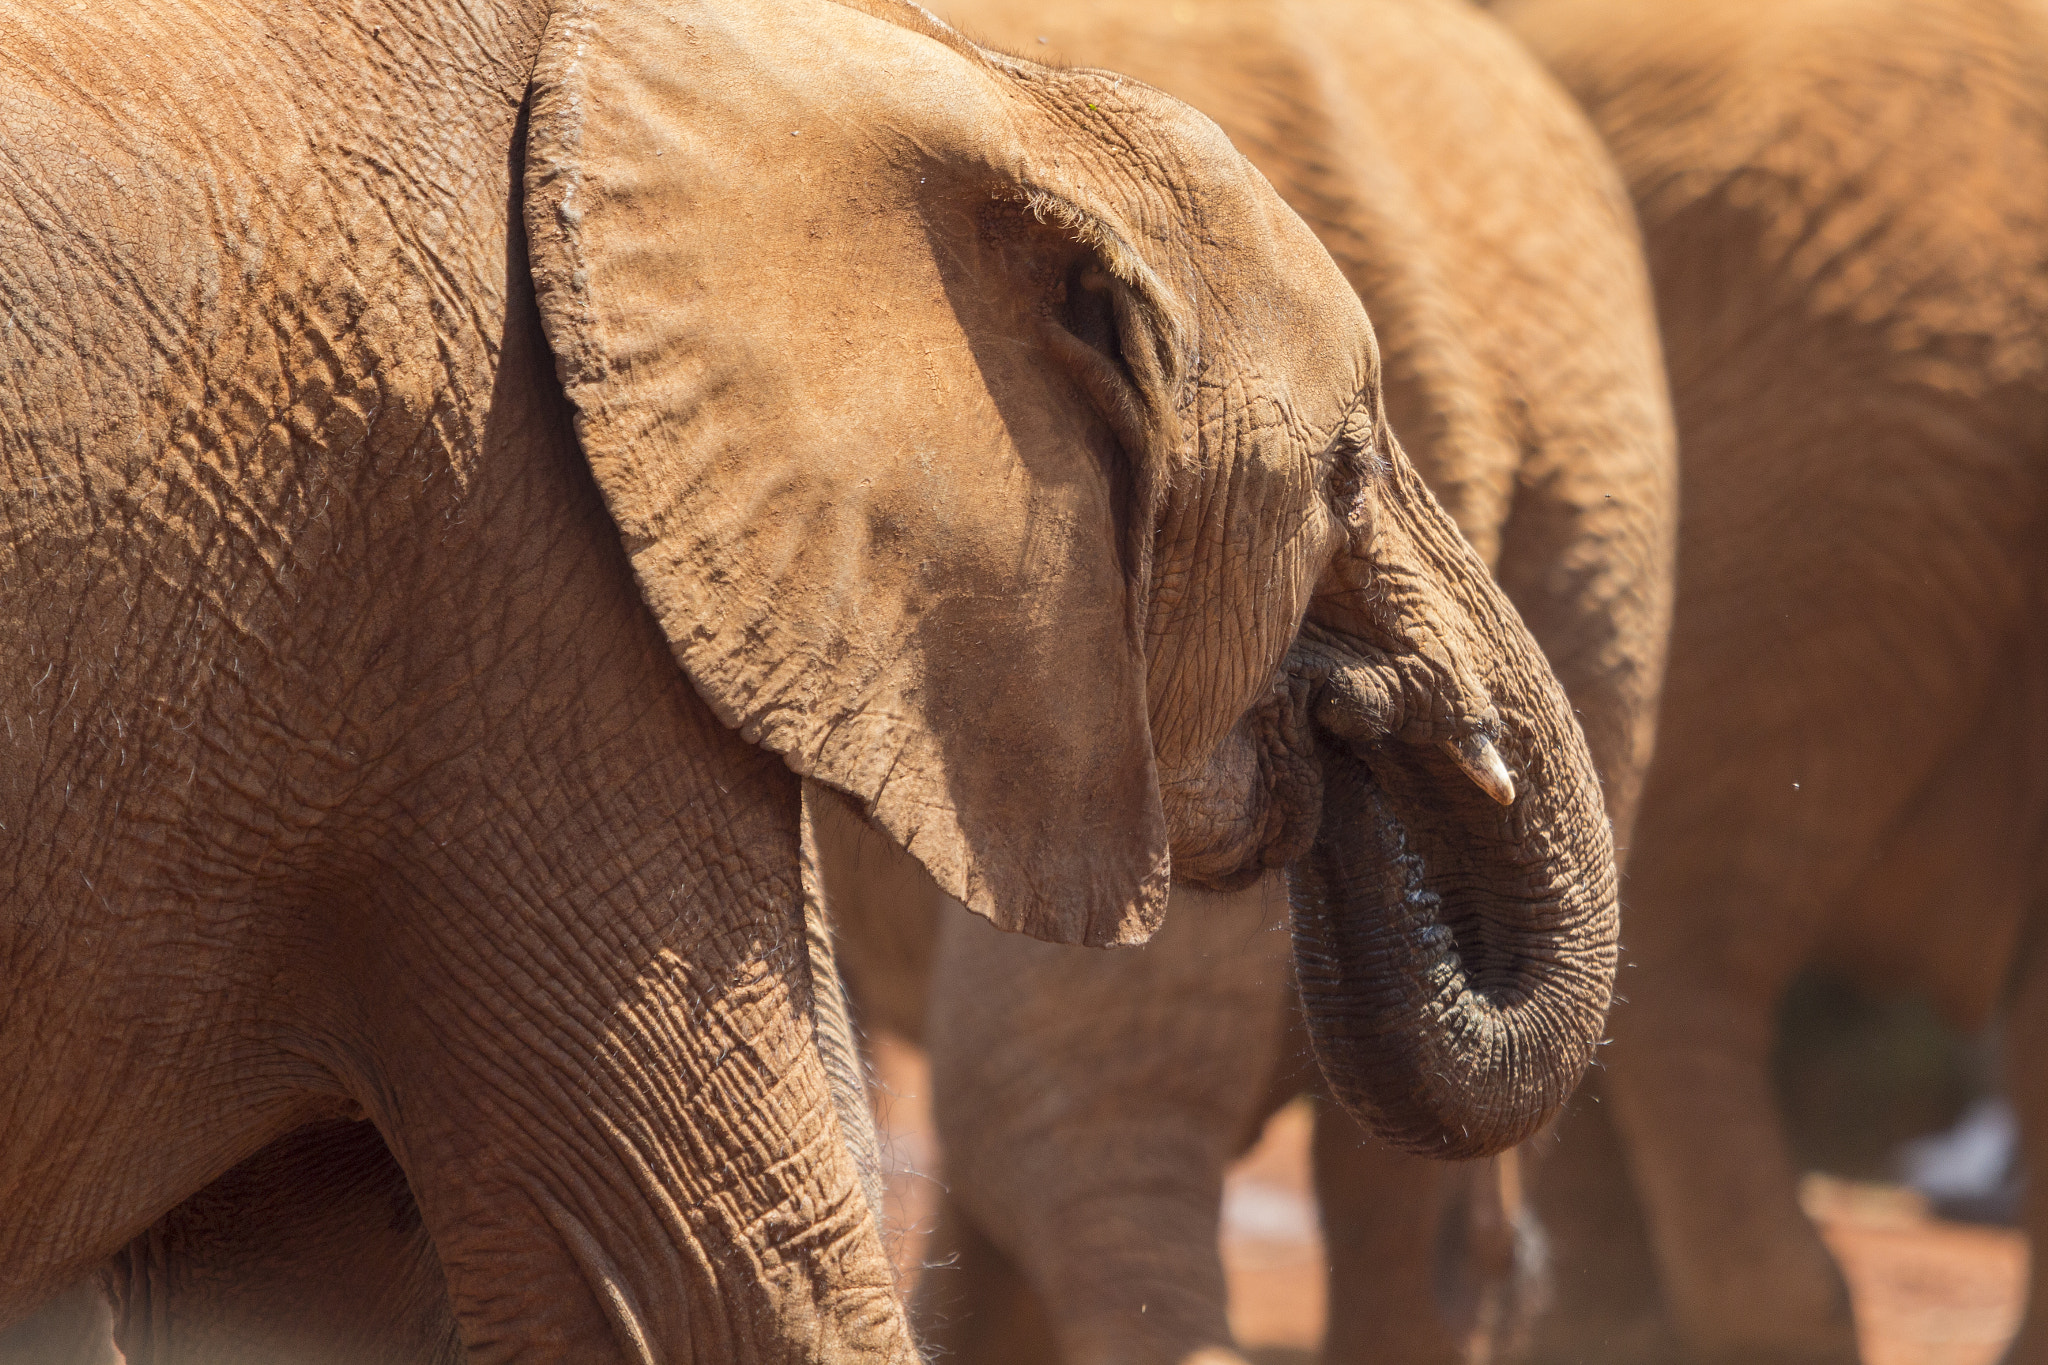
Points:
(1480, 761)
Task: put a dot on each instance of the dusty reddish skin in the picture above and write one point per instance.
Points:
(350, 772)
(1846, 212)
(1089, 1104)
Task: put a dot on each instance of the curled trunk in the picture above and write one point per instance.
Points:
(1455, 955)
(1454, 1006)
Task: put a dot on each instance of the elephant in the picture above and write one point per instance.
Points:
(1843, 208)
(467, 467)
(1087, 1105)
(313, 1251)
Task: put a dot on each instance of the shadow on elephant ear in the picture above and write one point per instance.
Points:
(976, 637)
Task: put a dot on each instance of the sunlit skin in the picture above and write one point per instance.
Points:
(464, 463)
(1846, 212)
(1087, 1105)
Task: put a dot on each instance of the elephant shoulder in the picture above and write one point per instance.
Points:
(223, 247)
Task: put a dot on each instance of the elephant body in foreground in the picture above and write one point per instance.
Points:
(1845, 207)
(1087, 1106)
(324, 662)
(463, 463)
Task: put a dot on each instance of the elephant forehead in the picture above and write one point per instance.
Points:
(1278, 319)
(1292, 317)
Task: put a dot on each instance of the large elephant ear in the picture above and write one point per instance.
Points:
(782, 257)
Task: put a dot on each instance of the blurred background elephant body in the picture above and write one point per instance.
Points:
(1087, 1105)
(1845, 207)
(462, 463)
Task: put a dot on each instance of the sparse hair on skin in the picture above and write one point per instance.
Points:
(1143, 401)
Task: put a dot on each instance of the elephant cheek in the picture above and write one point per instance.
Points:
(1258, 803)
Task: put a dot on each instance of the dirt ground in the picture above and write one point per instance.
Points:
(1927, 1292)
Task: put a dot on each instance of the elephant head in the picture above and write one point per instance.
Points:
(982, 438)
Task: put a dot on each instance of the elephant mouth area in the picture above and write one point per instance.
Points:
(1259, 804)
(1255, 807)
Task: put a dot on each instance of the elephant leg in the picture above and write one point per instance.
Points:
(72, 1329)
(314, 1251)
(1748, 1280)
(1087, 1104)
(309, 1253)
(655, 1172)
(974, 1305)
(832, 1026)
(587, 1037)
(1380, 1211)
(1431, 1263)
(2025, 1056)
(1606, 1307)
(883, 907)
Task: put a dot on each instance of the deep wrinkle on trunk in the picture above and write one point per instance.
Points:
(1455, 957)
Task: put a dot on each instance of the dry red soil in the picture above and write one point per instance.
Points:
(1927, 1292)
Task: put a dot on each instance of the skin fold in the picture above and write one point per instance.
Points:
(465, 467)
(313, 1251)
(1846, 213)
(1088, 1105)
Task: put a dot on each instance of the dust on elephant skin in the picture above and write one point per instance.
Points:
(1843, 211)
(464, 463)
(1088, 1107)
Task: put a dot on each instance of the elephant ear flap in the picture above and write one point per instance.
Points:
(884, 531)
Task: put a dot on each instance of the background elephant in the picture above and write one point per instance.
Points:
(1846, 213)
(1088, 1104)
(396, 399)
